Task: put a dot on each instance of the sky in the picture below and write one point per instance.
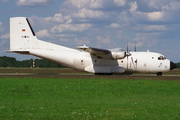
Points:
(153, 25)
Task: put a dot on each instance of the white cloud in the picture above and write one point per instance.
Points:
(137, 44)
(148, 16)
(34, 2)
(2, 43)
(173, 6)
(1, 27)
(153, 27)
(87, 13)
(123, 17)
(4, 39)
(64, 40)
(120, 2)
(157, 4)
(56, 18)
(39, 23)
(165, 12)
(79, 3)
(76, 41)
(155, 16)
(106, 40)
(65, 35)
(6, 36)
(59, 18)
(82, 41)
(96, 4)
(115, 25)
(42, 33)
(146, 39)
(145, 16)
(70, 28)
(133, 7)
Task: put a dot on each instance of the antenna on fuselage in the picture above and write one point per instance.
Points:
(135, 47)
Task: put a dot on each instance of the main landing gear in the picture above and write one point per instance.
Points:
(159, 74)
(103, 73)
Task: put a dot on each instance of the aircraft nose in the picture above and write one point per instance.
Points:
(172, 65)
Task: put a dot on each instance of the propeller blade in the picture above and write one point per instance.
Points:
(127, 53)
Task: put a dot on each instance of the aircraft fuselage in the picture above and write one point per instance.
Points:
(143, 62)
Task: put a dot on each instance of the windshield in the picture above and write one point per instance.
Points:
(161, 58)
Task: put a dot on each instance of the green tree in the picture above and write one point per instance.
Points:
(12, 62)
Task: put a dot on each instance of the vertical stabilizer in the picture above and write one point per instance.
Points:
(22, 36)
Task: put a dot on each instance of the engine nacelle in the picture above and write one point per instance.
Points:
(118, 55)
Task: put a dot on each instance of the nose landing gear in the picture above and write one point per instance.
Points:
(159, 74)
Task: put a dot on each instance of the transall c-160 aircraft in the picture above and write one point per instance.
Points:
(94, 60)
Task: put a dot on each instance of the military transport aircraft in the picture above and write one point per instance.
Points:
(94, 60)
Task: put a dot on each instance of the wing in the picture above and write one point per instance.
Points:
(102, 53)
(93, 50)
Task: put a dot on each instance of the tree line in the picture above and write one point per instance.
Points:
(12, 62)
(42, 63)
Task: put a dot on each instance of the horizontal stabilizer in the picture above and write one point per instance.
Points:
(20, 52)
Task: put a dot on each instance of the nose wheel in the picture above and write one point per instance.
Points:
(159, 74)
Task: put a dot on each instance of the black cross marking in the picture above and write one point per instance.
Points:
(25, 36)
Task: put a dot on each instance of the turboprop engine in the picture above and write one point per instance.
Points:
(118, 53)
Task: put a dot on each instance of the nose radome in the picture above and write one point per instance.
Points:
(172, 65)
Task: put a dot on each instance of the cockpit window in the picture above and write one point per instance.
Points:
(161, 58)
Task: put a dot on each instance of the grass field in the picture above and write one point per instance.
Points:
(32, 98)
(46, 95)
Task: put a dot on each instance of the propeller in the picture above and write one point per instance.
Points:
(127, 54)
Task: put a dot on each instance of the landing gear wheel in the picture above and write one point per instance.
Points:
(159, 74)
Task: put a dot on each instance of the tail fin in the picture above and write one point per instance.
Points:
(22, 36)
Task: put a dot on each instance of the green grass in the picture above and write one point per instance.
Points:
(55, 99)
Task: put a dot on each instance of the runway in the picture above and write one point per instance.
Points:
(82, 74)
(67, 73)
